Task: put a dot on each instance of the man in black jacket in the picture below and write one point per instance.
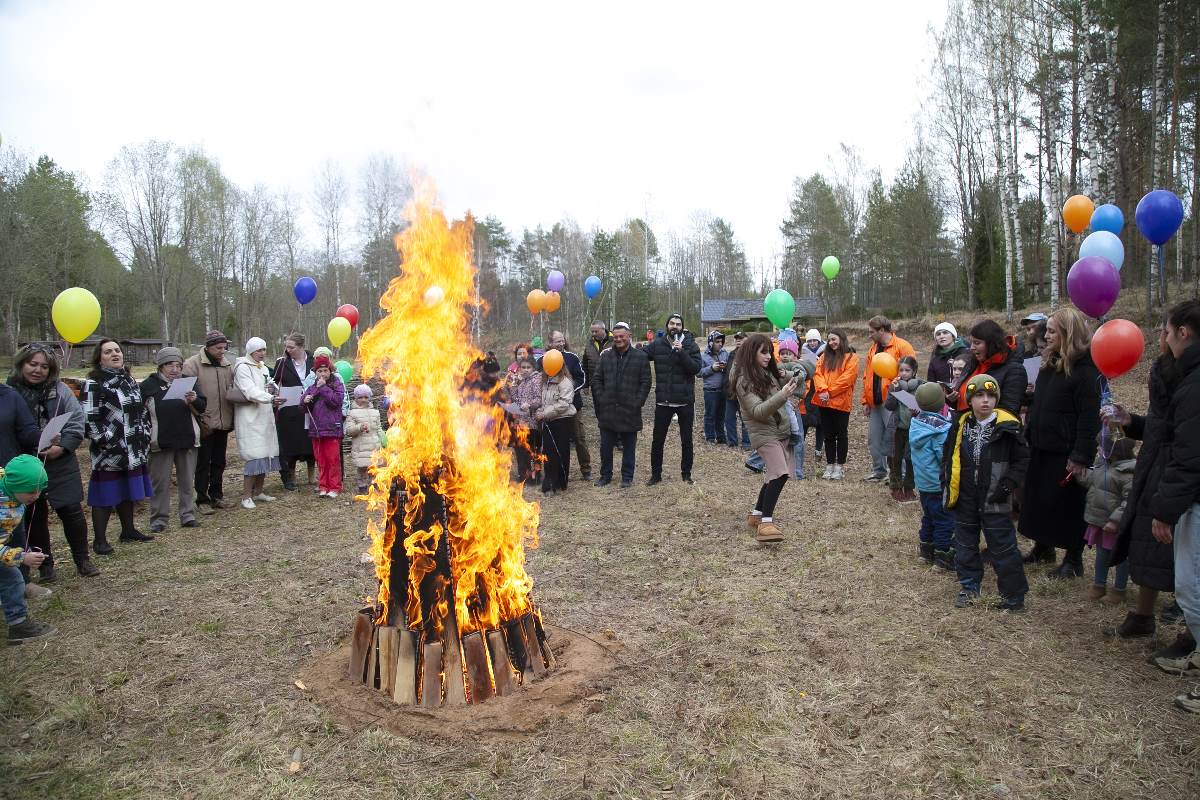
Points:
(676, 358)
(620, 386)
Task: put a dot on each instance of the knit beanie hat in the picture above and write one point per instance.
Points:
(789, 345)
(323, 351)
(813, 333)
(166, 355)
(983, 383)
(537, 341)
(322, 361)
(24, 474)
(253, 344)
(214, 337)
(362, 390)
(930, 397)
(945, 326)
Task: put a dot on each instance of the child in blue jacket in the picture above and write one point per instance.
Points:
(927, 433)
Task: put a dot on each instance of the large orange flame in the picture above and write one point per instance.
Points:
(447, 437)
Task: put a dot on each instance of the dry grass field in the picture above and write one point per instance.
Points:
(832, 665)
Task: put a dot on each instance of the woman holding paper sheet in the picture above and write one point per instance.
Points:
(254, 421)
(35, 378)
(174, 437)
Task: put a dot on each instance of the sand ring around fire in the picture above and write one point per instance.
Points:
(580, 680)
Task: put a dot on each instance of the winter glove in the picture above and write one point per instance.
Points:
(1004, 490)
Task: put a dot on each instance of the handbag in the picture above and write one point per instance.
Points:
(234, 394)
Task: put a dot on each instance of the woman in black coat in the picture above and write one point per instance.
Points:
(1151, 563)
(295, 368)
(1064, 419)
(993, 353)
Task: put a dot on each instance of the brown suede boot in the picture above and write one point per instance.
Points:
(1115, 597)
(753, 521)
(767, 532)
(1095, 592)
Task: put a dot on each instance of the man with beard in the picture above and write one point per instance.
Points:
(676, 358)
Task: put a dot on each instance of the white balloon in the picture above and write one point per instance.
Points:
(434, 295)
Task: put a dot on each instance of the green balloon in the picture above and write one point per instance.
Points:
(345, 369)
(779, 308)
(831, 267)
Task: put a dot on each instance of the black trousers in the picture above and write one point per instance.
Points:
(835, 426)
(556, 447)
(524, 452)
(662, 423)
(74, 529)
(210, 467)
(997, 528)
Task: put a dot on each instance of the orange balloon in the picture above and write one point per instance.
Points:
(1077, 212)
(884, 365)
(535, 301)
(552, 362)
(551, 303)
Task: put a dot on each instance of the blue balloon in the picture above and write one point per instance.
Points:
(1158, 215)
(305, 290)
(591, 287)
(1104, 244)
(1108, 218)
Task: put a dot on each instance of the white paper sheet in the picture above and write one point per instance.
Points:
(52, 429)
(907, 398)
(1032, 367)
(291, 395)
(179, 387)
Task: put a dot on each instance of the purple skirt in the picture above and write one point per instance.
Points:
(108, 488)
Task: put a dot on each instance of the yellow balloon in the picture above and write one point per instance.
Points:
(76, 314)
(338, 331)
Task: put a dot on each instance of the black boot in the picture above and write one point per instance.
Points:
(86, 568)
(1040, 554)
(100, 518)
(1071, 567)
(1135, 626)
(944, 559)
(129, 533)
(1184, 643)
(288, 476)
(46, 573)
(925, 550)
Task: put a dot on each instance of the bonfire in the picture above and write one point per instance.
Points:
(453, 620)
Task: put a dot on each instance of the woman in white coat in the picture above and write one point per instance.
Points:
(254, 421)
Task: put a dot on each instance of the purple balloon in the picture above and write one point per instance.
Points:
(1093, 285)
(555, 281)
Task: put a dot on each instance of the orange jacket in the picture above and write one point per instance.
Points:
(838, 382)
(875, 389)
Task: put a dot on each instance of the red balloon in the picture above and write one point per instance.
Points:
(350, 313)
(1117, 347)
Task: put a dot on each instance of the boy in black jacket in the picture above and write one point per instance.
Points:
(985, 462)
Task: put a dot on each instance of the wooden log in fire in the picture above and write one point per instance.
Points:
(431, 669)
(533, 644)
(404, 683)
(360, 644)
(502, 670)
(478, 674)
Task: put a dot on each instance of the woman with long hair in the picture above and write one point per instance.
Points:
(995, 353)
(761, 392)
(833, 394)
(1064, 419)
(118, 429)
(35, 377)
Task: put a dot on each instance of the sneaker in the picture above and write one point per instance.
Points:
(1171, 614)
(1114, 597)
(874, 477)
(332, 495)
(1181, 665)
(1010, 606)
(289, 486)
(158, 527)
(1096, 592)
(944, 559)
(1183, 644)
(264, 498)
(601, 482)
(207, 509)
(828, 473)
(1189, 702)
(191, 523)
(35, 591)
(654, 480)
(28, 631)
(768, 532)
(221, 502)
(86, 568)
(753, 520)
(925, 551)
(839, 472)
(102, 547)
(965, 598)
(1135, 626)
(626, 484)
(688, 480)
(248, 504)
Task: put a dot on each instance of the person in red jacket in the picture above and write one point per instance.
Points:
(875, 392)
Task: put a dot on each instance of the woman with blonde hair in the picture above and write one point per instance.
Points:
(1063, 421)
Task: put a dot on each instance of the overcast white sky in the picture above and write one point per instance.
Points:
(528, 111)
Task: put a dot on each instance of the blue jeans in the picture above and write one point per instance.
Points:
(12, 588)
(731, 425)
(608, 440)
(714, 415)
(1187, 568)
(937, 526)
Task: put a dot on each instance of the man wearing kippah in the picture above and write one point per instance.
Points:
(21, 481)
(214, 375)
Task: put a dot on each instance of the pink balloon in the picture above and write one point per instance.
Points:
(1093, 285)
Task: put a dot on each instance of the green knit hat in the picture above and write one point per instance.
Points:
(24, 474)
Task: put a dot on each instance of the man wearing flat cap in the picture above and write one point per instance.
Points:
(213, 372)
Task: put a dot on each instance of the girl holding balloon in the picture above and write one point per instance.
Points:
(556, 417)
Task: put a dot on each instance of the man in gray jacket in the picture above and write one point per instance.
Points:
(214, 375)
(713, 362)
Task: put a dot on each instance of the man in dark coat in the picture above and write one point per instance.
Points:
(620, 387)
(293, 369)
(18, 431)
(600, 341)
(676, 358)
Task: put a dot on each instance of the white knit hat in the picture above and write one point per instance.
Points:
(813, 333)
(254, 344)
(945, 326)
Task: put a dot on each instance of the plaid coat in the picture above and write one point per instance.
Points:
(117, 424)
